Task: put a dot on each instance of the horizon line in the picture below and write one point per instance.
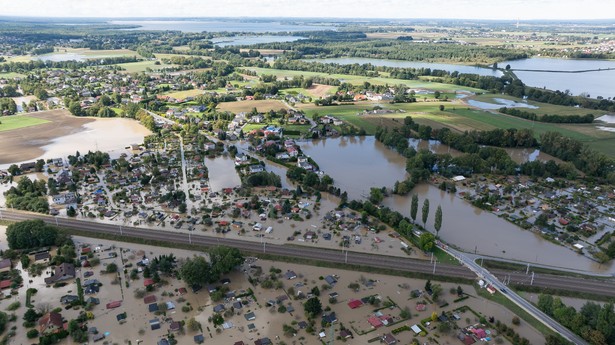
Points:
(311, 18)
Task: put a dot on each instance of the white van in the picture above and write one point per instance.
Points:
(269, 230)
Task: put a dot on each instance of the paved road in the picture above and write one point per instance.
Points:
(160, 118)
(185, 187)
(514, 297)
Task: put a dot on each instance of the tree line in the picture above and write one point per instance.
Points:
(592, 322)
(528, 115)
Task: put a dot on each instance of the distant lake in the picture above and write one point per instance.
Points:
(247, 40)
(218, 26)
(598, 83)
(412, 64)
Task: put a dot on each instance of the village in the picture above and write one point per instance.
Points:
(125, 292)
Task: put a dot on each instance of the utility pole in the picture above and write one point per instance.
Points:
(527, 270)
(434, 266)
(121, 232)
(532, 281)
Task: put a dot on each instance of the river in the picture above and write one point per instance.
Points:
(359, 163)
(598, 83)
(412, 64)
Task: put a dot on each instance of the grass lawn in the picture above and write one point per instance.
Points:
(19, 121)
(185, 93)
(247, 106)
(92, 54)
(357, 80)
(543, 108)
(117, 111)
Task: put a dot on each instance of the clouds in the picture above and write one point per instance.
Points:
(470, 9)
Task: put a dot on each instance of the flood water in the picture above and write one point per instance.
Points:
(413, 64)
(499, 103)
(95, 136)
(473, 229)
(222, 173)
(597, 83)
(359, 163)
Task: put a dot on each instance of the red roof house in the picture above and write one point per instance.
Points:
(114, 304)
(5, 284)
(147, 282)
(355, 303)
(149, 299)
(374, 322)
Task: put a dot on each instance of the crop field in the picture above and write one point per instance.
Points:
(8, 123)
(11, 75)
(247, 106)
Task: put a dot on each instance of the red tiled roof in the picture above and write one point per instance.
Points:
(355, 303)
(148, 282)
(5, 284)
(149, 299)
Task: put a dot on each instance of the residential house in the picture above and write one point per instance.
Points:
(389, 339)
(50, 323)
(62, 272)
(5, 265)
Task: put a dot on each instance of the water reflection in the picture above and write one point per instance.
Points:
(222, 173)
(473, 229)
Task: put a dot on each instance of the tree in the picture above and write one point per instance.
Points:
(31, 234)
(427, 241)
(71, 212)
(459, 291)
(224, 260)
(425, 211)
(14, 170)
(428, 285)
(436, 291)
(312, 307)
(414, 207)
(111, 268)
(196, 270)
(193, 325)
(31, 315)
(441, 107)
(438, 221)
(436, 94)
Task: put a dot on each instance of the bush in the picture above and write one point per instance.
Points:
(13, 306)
(33, 333)
(516, 321)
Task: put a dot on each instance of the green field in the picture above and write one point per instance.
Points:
(19, 121)
(358, 80)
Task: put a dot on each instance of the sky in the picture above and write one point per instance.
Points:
(407, 9)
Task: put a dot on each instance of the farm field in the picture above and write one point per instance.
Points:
(91, 54)
(8, 123)
(357, 79)
(246, 106)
